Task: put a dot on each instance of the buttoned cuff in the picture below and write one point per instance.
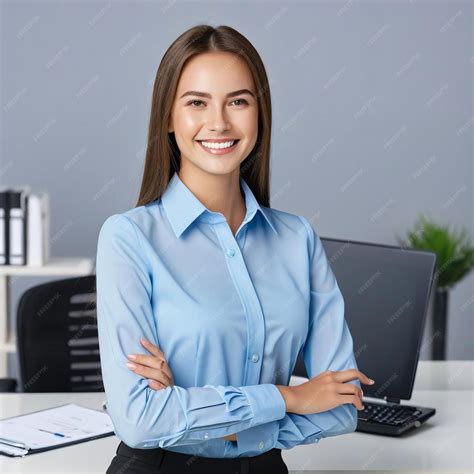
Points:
(258, 439)
(266, 402)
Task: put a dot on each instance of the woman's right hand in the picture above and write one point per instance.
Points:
(324, 392)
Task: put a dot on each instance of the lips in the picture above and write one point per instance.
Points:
(220, 140)
(219, 151)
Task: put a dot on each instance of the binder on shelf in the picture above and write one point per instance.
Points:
(6, 224)
(3, 227)
(17, 223)
(24, 226)
(38, 230)
(52, 428)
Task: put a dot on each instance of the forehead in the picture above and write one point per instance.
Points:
(216, 72)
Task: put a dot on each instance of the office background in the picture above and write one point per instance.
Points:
(372, 103)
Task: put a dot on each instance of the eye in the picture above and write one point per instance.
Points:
(193, 101)
(243, 100)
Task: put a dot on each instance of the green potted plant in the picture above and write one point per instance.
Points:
(455, 259)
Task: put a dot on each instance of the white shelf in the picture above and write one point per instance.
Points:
(9, 346)
(56, 266)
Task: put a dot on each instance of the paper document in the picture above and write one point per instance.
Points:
(52, 427)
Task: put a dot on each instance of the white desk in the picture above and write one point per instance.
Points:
(444, 443)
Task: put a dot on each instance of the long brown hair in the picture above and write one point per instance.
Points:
(162, 154)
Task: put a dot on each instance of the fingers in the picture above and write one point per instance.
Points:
(151, 373)
(165, 368)
(153, 363)
(322, 374)
(351, 374)
(153, 367)
(149, 361)
(156, 385)
(350, 388)
(155, 350)
(354, 399)
(157, 360)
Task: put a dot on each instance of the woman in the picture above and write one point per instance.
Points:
(226, 290)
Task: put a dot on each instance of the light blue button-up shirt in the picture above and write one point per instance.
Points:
(231, 313)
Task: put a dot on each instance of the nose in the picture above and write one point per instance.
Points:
(218, 122)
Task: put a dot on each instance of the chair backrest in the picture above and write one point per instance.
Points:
(58, 345)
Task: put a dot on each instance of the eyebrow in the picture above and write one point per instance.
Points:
(206, 94)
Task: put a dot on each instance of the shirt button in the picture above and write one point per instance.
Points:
(206, 435)
(254, 357)
(230, 252)
(261, 445)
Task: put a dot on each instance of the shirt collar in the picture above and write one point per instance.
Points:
(182, 207)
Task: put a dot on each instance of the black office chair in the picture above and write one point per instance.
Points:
(58, 346)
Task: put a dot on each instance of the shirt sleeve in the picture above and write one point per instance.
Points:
(328, 346)
(143, 417)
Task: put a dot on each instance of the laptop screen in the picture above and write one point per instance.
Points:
(386, 293)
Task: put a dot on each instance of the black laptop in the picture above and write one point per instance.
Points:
(386, 291)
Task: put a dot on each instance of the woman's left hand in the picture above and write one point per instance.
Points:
(152, 367)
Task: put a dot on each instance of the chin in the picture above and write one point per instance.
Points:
(212, 167)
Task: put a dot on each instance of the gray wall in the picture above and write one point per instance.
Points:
(373, 114)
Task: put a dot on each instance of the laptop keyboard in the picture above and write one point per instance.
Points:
(387, 414)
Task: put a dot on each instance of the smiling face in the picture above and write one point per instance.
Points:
(215, 101)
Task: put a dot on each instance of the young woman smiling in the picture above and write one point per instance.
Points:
(224, 290)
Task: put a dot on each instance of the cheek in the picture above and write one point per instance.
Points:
(186, 125)
(190, 121)
(249, 123)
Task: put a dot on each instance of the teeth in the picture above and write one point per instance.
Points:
(218, 146)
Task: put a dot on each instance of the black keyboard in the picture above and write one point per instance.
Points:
(391, 418)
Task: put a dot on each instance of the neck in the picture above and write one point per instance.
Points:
(219, 193)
